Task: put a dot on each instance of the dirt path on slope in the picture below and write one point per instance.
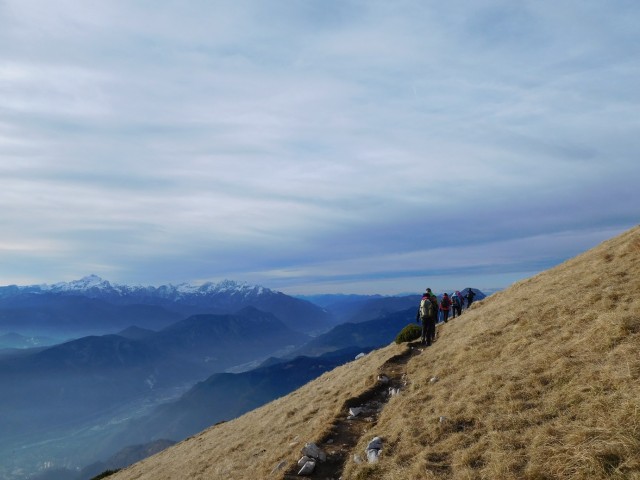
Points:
(346, 430)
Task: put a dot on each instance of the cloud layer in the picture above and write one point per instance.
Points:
(314, 146)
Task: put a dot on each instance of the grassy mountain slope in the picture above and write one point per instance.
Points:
(539, 381)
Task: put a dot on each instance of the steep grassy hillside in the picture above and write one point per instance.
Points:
(539, 381)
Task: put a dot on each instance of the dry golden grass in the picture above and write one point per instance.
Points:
(539, 381)
(251, 446)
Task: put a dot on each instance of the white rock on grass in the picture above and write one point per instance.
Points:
(355, 411)
(313, 451)
(434, 379)
(375, 443)
(383, 379)
(307, 468)
(304, 459)
(373, 450)
(360, 355)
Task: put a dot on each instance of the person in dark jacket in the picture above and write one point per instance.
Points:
(431, 331)
(470, 295)
(427, 313)
(456, 303)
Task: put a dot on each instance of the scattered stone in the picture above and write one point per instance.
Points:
(373, 450)
(434, 379)
(360, 355)
(357, 458)
(376, 443)
(307, 468)
(303, 460)
(442, 419)
(383, 379)
(330, 441)
(313, 451)
(355, 411)
(393, 391)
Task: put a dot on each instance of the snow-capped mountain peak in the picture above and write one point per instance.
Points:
(93, 285)
(85, 283)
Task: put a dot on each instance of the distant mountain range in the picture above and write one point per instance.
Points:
(92, 305)
(69, 390)
(65, 390)
(130, 374)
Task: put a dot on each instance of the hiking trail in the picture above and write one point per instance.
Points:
(346, 431)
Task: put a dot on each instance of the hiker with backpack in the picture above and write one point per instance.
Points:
(456, 303)
(469, 297)
(445, 306)
(427, 313)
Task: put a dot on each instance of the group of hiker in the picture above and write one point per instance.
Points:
(431, 311)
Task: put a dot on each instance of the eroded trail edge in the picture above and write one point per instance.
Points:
(347, 429)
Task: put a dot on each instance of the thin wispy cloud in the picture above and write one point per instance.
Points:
(314, 146)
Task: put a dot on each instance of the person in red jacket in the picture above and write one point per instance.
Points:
(445, 307)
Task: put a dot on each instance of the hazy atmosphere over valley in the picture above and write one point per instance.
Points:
(311, 147)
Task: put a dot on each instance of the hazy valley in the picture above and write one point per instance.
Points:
(149, 365)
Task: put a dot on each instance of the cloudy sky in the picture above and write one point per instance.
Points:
(314, 146)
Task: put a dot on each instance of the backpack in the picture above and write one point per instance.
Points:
(456, 300)
(426, 308)
(445, 303)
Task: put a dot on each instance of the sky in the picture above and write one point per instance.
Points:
(320, 146)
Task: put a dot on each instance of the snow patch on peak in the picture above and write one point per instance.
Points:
(85, 283)
(94, 285)
(239, 288)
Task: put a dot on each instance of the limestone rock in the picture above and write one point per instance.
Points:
(373, 449)
(307, 468)
(313, 451)
(375, 443)
(355, 411)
